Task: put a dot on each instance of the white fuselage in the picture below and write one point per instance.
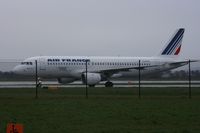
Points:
(74, 66)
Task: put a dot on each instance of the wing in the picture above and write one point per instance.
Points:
(110, 72)
(181, 63)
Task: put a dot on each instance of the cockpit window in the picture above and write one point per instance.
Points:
(26, 63)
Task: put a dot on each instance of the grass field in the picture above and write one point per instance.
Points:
(107, 110)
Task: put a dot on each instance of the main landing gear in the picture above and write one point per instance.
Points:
(91, 85)
(109, 84)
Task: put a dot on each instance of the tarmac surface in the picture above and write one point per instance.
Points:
(31, 84)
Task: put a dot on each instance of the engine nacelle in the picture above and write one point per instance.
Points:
(65, 80)
(92, 78)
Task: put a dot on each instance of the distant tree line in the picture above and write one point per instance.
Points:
(10, 76)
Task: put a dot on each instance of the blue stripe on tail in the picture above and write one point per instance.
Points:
(174, 42)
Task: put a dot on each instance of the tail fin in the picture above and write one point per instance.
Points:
(174, 46)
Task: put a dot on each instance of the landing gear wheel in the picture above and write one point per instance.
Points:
(91, 85)
(108, 84)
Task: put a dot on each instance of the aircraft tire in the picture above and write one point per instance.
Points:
(91, 85)
(109, 84)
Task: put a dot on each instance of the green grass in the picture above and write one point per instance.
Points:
(107, 110)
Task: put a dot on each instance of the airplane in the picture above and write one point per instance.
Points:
(93, 70)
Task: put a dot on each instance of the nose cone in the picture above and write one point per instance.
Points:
(17, 70)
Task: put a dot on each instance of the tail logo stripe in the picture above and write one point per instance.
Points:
(177, 45)
(174, 46)
(178, 50)
(171, 42)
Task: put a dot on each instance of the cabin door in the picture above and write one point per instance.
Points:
(42, 65)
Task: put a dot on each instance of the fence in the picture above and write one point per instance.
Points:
(182, 82)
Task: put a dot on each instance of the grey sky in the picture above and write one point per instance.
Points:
(96, 27)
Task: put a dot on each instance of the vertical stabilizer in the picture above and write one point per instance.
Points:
(173, 47)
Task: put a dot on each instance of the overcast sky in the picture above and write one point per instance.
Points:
(96, 27)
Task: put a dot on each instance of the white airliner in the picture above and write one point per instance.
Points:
(68, 69)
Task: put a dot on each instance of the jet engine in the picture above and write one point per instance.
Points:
(92, 78)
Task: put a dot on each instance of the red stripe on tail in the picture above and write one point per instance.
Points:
(178, 50)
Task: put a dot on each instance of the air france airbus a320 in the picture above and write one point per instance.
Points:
(68, 69)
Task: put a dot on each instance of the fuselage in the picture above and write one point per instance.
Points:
(74, 66)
